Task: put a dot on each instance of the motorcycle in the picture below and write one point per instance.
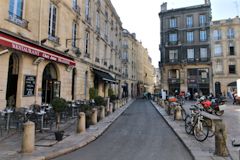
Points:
(215, 105)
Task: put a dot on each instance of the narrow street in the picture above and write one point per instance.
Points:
(140, 133)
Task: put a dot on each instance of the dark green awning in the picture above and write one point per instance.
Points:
(104, 76)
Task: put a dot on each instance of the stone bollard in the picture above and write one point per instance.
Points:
(111, 108)
(81, 125)
(220, 139)
(178, 113)
(94, 116)
(102, 112)
(28, 141)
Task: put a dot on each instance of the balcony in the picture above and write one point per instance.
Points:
(203, 80)
(173, 80)
(125, 60)
(190, 60)
(54, 39)
(97, 60)
(125, 46)
(76, 9)
(86, 55)
(88, 20)
(173, 61)
(17, 20)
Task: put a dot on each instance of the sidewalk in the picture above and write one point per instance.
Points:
(205, 150)
(47, 147)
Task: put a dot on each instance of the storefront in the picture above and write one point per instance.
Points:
(32, 73)
(103, 81)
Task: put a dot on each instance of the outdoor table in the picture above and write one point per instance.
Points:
(74, 107)
(41, 114)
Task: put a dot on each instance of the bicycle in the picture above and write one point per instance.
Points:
(196, 125)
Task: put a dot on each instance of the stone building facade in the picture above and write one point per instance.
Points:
(225, 51)
(185, 63)
(137, 68)
(53, 48)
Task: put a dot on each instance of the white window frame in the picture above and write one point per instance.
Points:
(189, 21)
(219, 67)
(190, 53)
(203, 35)
(17, 7)
(202, 19)
(218, 50)
(190, 36)
(230, 33)
(173, 54)
(52, 23)
(173, 37)
(203, 53)
(87, 9)
(87, 40)
(172, 22)
(74, 34)
(216, 34)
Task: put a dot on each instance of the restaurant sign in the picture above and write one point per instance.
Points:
(34, 49)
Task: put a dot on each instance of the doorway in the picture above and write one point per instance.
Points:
(50, 85)
(13, 69)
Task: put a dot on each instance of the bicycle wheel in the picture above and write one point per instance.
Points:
(201, 131)
(188, 124)
(184, 115)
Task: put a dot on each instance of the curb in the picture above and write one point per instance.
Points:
(154, 104)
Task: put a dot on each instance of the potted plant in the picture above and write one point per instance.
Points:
(59, 105)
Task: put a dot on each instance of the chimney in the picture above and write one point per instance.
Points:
(164, 7)
(207, 2)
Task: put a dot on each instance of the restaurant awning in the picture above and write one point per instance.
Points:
(27, 46)
(232, 84)
(104, 76)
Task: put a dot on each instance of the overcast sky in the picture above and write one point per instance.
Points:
(141, 17)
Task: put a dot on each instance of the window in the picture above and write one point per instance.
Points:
(189, 21)
(74, 34)
(218, 50)
(202, 20)
(98, 22)
(87, 43)
(216, 34)
(231, 49)
(203, 73)
(16, 8)
(189, 37)
(173, 74)
(203, 54)
(173, 37)
(86, 84)
(190, 55)
(232, 69)
(52, 20)
(219, 67)
(173, 55)
(74, 3)
(87, 10)
(203, 35)
(172, 22)
(230, 33)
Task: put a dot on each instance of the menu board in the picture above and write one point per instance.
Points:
(29, 87)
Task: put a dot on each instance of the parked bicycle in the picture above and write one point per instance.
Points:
(196, 125)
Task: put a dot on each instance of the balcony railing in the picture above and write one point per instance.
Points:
(76, 9)
(54, 39)
(18, 20)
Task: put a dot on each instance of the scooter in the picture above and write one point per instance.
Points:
(212, 106)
